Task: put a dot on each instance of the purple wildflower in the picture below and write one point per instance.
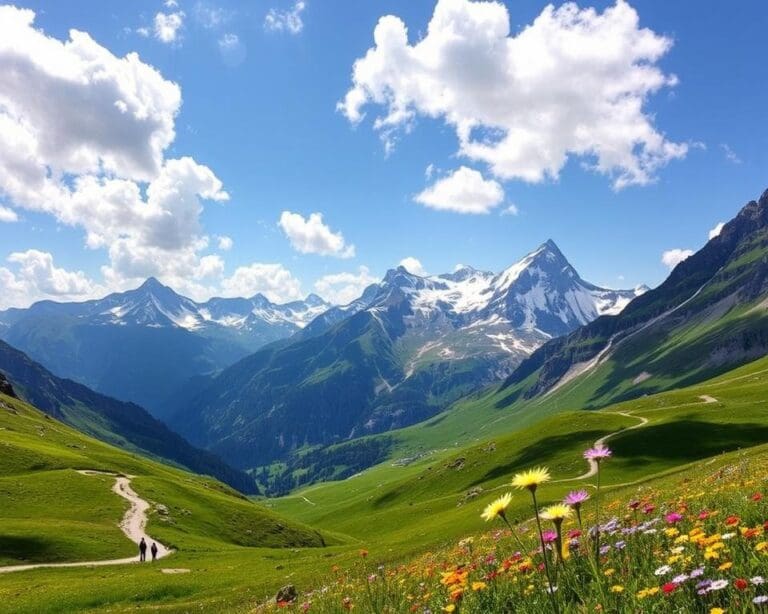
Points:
(598, 453)
(576, 498)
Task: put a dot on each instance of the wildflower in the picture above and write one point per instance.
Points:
(617, 588)
(576, 498)
(679, 579)
(479, 586)
(756, 497)
(673, 517)
(548, 536)
(717, 611)
(757, 580)
(718, 585)
(363, 553)
(557, 512)
(449, 608)
(740, 584)
(669, 587)
(662, 571)
(761, 599)
(725, 566)
(498, 508)
(598, 453)
(531, 479)
(732, 521)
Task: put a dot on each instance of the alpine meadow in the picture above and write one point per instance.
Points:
(454, 306)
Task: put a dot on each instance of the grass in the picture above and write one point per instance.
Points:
(427, 496)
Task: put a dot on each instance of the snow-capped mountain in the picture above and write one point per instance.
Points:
(143, 344)
(154, 305)
(514, 311)
(405, 350)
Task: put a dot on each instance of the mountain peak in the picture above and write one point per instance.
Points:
(151, 283)
(314, 300)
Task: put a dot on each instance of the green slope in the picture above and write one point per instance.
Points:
(432, 497)
(122, 424)
(710, 315)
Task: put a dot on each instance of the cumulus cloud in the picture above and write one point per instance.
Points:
(272, 280)
(672, 257)
(343, 288)
(8, 215)
(464, 191)
(289, 20)
(225, 243)
(413, 265)
(33, 276)
(573, 83)
(167, 26)
(312, 236)
(83, 135)
(715, 232)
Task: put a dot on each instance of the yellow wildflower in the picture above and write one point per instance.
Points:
(498, 508)
(531, 479)
(617, 588)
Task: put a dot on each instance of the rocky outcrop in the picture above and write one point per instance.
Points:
(5, 387)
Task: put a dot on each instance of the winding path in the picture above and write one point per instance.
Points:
(133, 525)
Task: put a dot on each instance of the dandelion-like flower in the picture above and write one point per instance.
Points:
(598, 453)
(557, 512)
(576, 498)
(531, 479)
(497, 509)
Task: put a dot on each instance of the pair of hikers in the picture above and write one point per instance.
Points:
(143, 550)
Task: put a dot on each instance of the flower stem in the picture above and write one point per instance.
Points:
(544, 554)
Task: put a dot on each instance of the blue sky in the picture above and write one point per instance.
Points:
(260, 112)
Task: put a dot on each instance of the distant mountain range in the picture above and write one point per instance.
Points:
(402, 352)
(123, 424)
(710, 315)
(146, 344)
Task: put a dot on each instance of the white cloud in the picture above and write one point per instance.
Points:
(8, 215)
(286, 20)
(83, 136)
(343, 288)
(168, 25)
(672, 257)
(414, 266)
(225, 243)
(272, 280)
(510, 209)
(730, 155)
(35, 278)
(715, 232)
(311, 236)
(229, 41)
(143, 31)
(464, 191)
(572, 83)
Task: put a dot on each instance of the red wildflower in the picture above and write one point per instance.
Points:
(669, 587)
(649, 508)
(757, 497)
(732, 521)
(741, 584)
(703, 515)
(574, 533)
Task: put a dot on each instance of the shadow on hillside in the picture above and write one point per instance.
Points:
(687, 439)
(539, 453)
(25, 549)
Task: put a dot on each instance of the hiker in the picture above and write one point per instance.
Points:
(154, 551)
(142, 550)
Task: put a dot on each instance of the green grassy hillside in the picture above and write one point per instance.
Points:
(443, 488)
(396, 510)
(51, 513)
